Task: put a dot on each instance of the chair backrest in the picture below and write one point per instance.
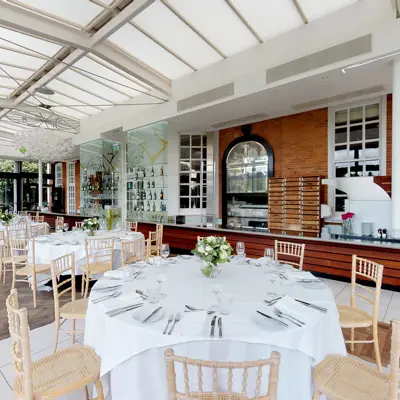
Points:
(132, 251)
(79, 224)
(294, 251)
(38, 218)
(154, 243)
(23, 213)
(59, 223)
(366, 270)
(99, 251)
(160, 230)
(394, 361)
(17, 231)
(131, 225)
(58, 267)
(198, 365)
(39, 229)
(4, 246)
(20, 345)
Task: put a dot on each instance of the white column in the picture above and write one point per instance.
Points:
(396, 150)
(40, 184)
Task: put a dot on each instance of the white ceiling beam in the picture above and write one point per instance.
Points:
(27, 22)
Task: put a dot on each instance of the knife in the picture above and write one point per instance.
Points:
(274, 319)
(140, 293)
(213, 325)
(118, 312)
(319, 308)
(150, 315)
(220, 327)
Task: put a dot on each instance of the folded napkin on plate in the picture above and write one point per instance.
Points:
(169, 260)
(302, 312)
(121, 301)
(193, 324)
(117, 273)
(296, 275)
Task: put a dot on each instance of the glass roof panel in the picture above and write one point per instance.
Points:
(270, 18)
(116, 80)
(208, 16)
(168, 29)
(6, 124)
(16, 73)
(316, 8)
(92, 86)
(144, 49)
(4, 92)
(64, 100)
(16, 40)
(57, 99)
(74, 93)
(80, 12)
(13, 57)
(8, 82)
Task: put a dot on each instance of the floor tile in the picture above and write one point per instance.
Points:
(393, 310)
(79, 325)
(335, 286)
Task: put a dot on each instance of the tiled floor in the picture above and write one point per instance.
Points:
(42, 338)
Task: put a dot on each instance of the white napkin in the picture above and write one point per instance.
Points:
(295, 275)
(121, 301)
(302, 312)
(118, 273)
(193, 324)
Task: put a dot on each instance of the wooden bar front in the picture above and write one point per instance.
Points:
(328, 257)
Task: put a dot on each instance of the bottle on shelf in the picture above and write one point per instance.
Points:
(144, 195)
(161, 195)
(152, 171)
(144, 172)
(154, 206)
(136, 174)
(148, 205)
(148, 184)
(153, 184)
(155, 195)
(142, 206)
(161, 171)
(150, 195)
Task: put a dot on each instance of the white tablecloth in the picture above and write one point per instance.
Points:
(132, 352)
(73, 241)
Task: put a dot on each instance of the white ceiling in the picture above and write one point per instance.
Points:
(96, 54)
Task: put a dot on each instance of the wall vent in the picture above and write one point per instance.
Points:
(340, 52)
(342, 97)
(241, 121)
(208, 96)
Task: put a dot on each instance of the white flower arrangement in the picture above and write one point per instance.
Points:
(91, 224)
(213, 250)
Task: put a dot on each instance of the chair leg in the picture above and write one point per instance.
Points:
(99, 389)
(83, 283)
(4, 273)
(34, 289)
(86, 393)
(352, 339)
(13, 279)
(86, 286)
(57, 330)
(317, 394)
(376, 347)
(73, 331)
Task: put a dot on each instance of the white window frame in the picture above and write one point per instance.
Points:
(58, 175)
(382, 100)
(71, 188)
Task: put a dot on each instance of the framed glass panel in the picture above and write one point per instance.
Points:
(356, 115)
(371, 150)
(341, 118)
(356, 133)
(341, 135)
(372, 131)
(356, 151)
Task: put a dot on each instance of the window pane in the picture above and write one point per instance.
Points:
(185, 152)
(204, 140)
(355, 151)
(341, 135)
(195, 190)
(184, 190)
(371, 150)
(355, 133)
(196, 165)
(204, 204)
(371, 168)
(185, 140)
(356, 169)
(341, 170)
(205, 154)
(196, 140)
(356, 115)
(184, 202)
(339, 207)
(196, 153)
(204, 190)
(372, 131)
(184, 178)
(341, 118)
(341, 153)
(372, 112)
(195, 203)
(30, 166)
(195, 177)
(185, 165)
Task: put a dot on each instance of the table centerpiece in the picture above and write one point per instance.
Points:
(6, 217)
(213, 251)
(111, 215)
(91, 225)
(347, 228)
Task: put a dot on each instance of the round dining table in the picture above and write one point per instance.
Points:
(132, 352)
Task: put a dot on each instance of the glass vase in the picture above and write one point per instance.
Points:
(211, 271)
(347, 228)
(91, 233)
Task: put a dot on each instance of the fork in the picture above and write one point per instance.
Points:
(294, 320)
(177, 319)
(170, 319)
(110, 296)
(190, 308)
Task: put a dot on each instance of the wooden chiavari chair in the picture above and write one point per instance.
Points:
(17, 231)
(133, 251)
(79, 224)
(23, 213)
(154, 244)
(353, 317)
(197, 365)
(160, 230)
(131, 225)
(59, 224)
(24, 265)
(50, 377)
(73, 310)
(40, 229)
(37, 218)
(339, 377)
(5, 257)
(283, 250)
(99, 257)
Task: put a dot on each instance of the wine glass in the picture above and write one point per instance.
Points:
(161, 278)
(164, 251)
(216, 289)
(65, 227)
(240, 251)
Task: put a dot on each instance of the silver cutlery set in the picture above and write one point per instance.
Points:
(213, 322)
(174, 322)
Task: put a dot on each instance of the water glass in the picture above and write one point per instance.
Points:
(154, 294)
(225, 303)
(164, 251)
(65, 226)
(128, 274)
(157, 260)
(240, 249)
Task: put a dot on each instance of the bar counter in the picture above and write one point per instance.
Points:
(331, 257)
(50, 217)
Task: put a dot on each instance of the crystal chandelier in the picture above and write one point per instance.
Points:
(43, 144)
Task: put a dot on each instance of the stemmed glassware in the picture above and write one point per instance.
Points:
(65, 227)
(161, 278)
(216, 289)
(240, 251)
(268, 257)
(164, 251)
